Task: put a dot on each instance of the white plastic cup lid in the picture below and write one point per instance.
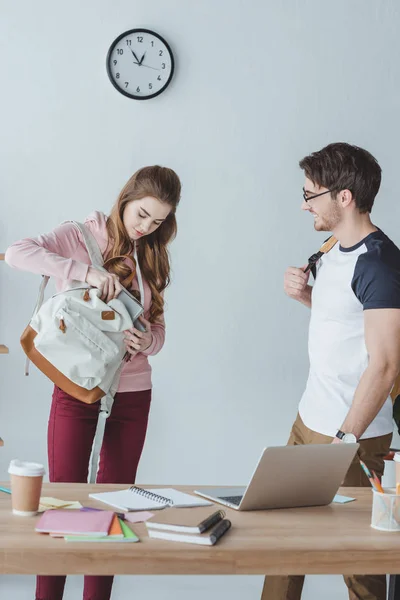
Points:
(396, 456)
(26, 469)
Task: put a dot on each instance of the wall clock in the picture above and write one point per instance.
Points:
(140, 64)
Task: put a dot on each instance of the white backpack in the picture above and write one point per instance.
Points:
(76, 340)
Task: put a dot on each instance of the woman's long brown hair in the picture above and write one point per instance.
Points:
(163, 184)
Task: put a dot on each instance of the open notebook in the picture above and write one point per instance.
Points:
(135, 498)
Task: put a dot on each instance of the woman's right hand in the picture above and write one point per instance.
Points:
(107, 283)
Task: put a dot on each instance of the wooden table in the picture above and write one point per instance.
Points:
(327, 539)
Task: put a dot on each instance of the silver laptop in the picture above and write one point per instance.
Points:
(288, 477)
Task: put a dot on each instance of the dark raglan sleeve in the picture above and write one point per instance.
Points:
(376, 280)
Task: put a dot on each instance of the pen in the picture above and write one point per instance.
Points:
(211, 520)
(365, 469)
(375, 483)
(5, 490)
(121, 516)
(219, 530)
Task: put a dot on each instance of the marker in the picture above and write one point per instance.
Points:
(365, 469)
(378, 483)
(375, 484)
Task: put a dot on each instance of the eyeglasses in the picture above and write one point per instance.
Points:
(306, 199)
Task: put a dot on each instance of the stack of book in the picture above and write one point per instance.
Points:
(86, 526)
(199, 526)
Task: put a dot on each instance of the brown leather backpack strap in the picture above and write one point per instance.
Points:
(395, 389)
(127, 282)
(326, 246)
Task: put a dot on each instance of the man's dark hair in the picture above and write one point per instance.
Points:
(342, 166)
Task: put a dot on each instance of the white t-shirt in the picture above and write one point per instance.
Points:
(348, 281)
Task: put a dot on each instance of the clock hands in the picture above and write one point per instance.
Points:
(148, 67)
(137, 60)
(140, 62)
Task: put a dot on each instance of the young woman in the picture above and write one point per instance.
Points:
(141, 225)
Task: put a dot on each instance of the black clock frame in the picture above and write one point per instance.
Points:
(116, 41)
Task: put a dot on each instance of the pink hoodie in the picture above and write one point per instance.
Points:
(62, 254)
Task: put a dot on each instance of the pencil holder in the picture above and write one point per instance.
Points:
(385, 510)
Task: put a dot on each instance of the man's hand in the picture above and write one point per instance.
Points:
(336, 440)
(296, 286)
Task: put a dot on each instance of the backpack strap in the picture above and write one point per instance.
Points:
(91, 244)
(106, 404)
(39, 302)
(127, 282)
(325, 248)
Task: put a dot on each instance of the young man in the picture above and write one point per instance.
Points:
(354, 335)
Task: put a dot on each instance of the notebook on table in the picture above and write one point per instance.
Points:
(135, 498)
(114, 532)
(127, 536)
(75, 522)
(188, 521)
(209, 538)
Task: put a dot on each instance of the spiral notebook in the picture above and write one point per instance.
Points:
(136, 498)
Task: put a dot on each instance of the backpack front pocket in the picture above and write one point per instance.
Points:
(77, 348)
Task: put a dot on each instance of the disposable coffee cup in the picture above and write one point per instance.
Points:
(26, 486)
(396, 459)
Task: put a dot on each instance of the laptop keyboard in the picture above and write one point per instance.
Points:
(236, 500)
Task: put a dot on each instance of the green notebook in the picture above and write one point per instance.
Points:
(129, 536)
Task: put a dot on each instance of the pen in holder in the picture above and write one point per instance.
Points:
(385, 506)
(385, 510)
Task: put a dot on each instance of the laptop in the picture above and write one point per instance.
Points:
(289, 477)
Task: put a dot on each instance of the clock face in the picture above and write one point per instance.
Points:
(140, 64)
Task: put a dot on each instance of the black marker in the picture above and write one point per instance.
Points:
(211, 520)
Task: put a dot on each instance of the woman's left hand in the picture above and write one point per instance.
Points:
(138, 341)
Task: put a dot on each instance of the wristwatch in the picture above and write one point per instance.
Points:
(347, 438)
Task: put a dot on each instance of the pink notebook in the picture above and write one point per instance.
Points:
(75, 522)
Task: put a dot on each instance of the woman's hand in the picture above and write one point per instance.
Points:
(107, 283)
(138, 341)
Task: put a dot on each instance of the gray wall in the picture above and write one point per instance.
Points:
(257, 86)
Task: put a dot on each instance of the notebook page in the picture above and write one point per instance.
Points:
(126, 500)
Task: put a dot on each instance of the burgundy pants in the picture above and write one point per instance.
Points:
(72, 425)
